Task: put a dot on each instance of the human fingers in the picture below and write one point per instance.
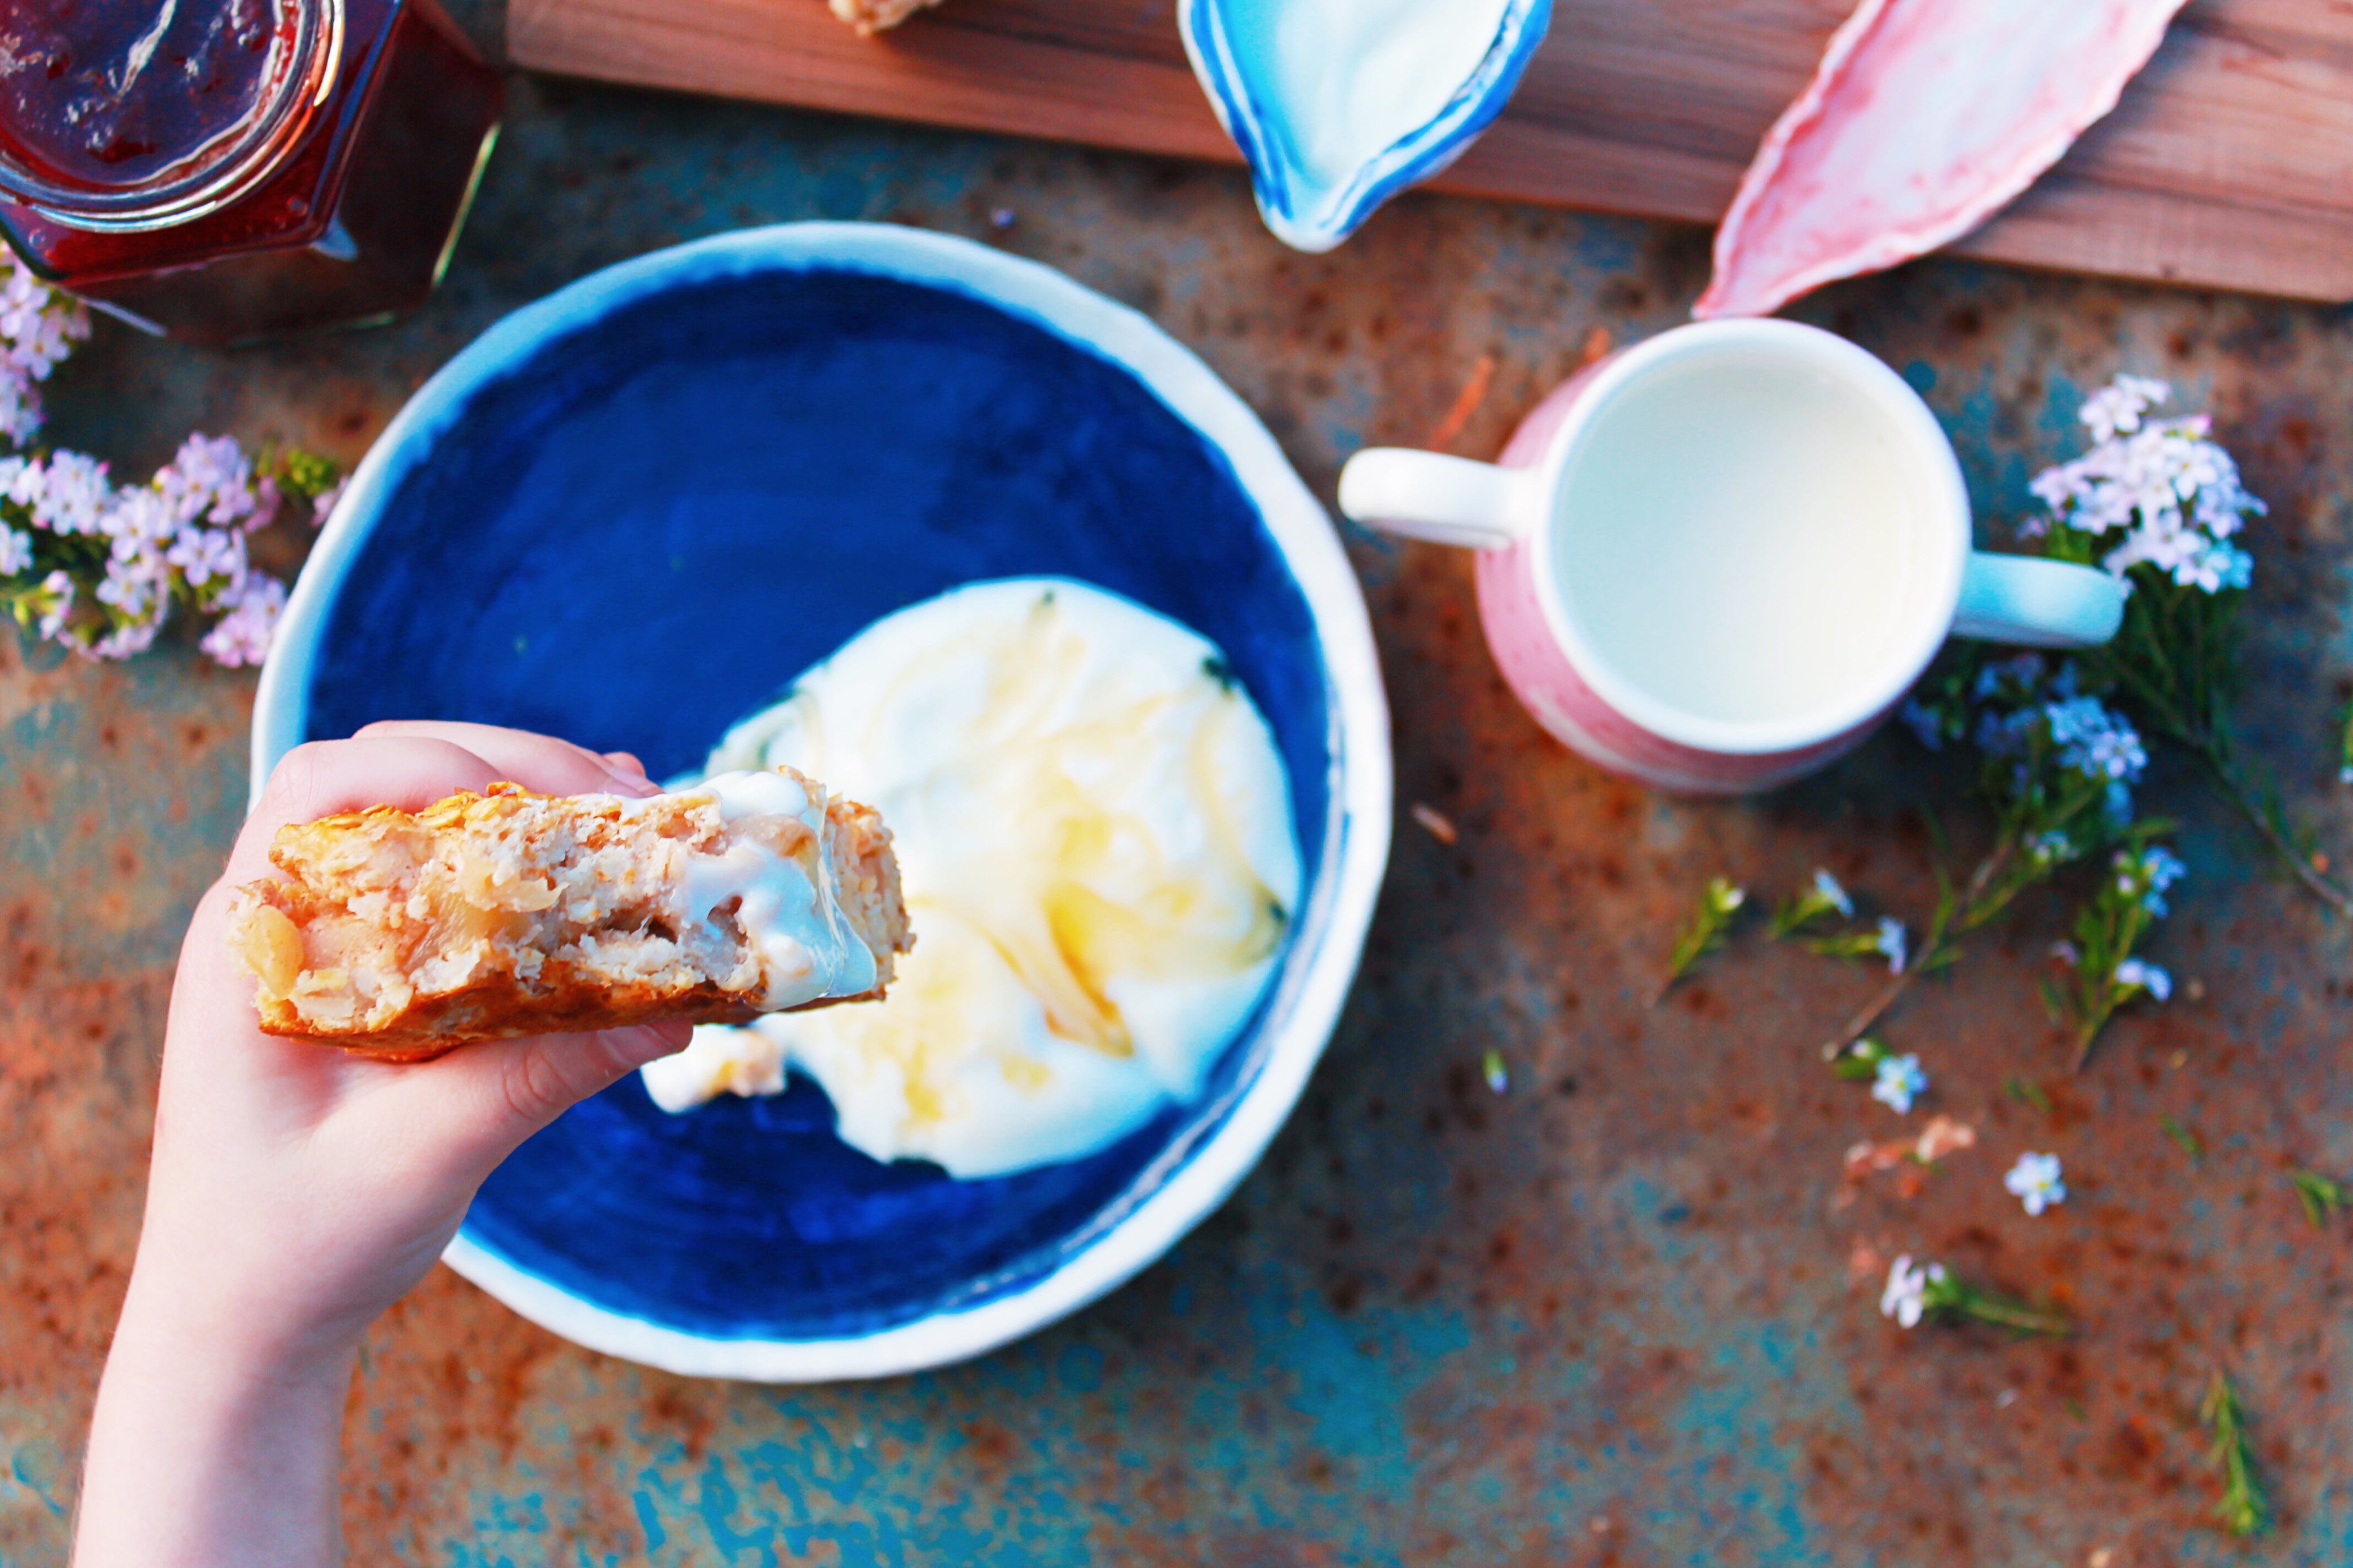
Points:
(320, 778)
(477, 1104)
(627, 762)
(543, 763)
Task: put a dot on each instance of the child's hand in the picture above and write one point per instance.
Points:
(297, 1191)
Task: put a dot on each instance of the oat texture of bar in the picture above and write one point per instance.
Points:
(870, 17)
(404, 934)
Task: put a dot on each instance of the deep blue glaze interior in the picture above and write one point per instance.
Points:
(643, 533)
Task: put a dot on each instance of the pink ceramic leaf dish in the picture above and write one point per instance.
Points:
(1925, 118)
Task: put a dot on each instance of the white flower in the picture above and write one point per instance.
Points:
(2149, 874)
(2165, 488)
(60, 590)
(204, 553)
(2035, 1179)
(323, 505)
(36, 321)
(1827, 888)
(37, 324)
(2117, 407)
(2222, 565)
(124, 641)
(66, 493)
(1890, 943)
(242, 636)
(2064, 951)
(1905, 1298)
(210, 480)
(2147, 976)
(15, 551)
(2050, 848)
(1899, 1080)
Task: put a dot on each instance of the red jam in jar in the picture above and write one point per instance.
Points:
(221, 169)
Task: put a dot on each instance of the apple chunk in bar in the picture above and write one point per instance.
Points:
(403, 934)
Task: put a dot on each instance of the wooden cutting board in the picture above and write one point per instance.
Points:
(2228, 164)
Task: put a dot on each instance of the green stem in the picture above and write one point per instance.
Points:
(2093, 1021)
(2019, 1318)
(2235, 791)
(1931, 951)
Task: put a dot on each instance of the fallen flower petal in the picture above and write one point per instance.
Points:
(1942, 1136)
(1434, 822)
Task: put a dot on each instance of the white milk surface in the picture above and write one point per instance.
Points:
(1744, 539)
(1094, 831)
(1344, 81)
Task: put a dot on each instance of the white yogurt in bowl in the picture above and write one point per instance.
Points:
(1094, 831)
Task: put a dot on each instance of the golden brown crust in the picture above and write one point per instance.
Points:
(504, 1009)
(402, 936)
(870, 17)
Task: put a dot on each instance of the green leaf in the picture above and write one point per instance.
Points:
(2183, 1139)
(2322, 1198)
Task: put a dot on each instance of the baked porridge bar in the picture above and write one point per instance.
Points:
(404, 934)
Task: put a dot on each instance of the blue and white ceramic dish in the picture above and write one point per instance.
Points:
(1338, 105)
(627, 514)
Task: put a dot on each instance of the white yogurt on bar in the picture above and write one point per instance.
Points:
(784, 904)
(1095, 832)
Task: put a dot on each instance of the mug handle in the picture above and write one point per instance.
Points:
(1454, 501)
(1444, 499)
(2039, 603)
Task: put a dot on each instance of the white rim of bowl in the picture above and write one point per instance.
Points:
(1355, 851)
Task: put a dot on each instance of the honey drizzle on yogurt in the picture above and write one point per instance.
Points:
(1090, 820)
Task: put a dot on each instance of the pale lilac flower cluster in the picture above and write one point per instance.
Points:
(2171, 493)
(181, 535)
(39, 327)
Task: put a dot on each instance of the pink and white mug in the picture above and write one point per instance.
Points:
(1716, 561)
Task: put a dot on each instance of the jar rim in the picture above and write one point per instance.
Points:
(299, 79)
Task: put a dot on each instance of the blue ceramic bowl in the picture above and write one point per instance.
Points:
(628, 515)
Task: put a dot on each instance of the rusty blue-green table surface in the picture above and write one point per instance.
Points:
(1624, 1312)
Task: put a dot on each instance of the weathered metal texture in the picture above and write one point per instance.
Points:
(1624, 1313)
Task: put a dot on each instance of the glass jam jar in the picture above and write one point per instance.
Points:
(223, 170)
